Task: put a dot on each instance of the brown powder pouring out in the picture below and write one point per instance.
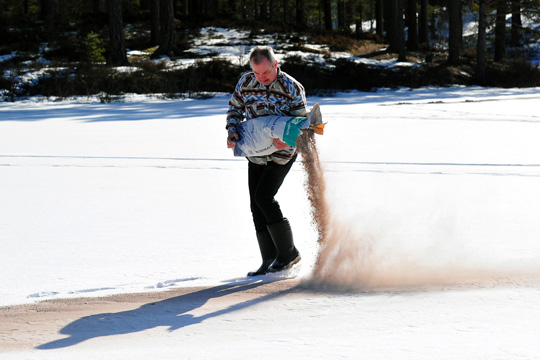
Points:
(347, 259)
(315, 186)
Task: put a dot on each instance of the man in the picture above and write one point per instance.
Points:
(267, 90)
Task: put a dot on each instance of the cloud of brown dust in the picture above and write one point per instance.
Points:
(349, 258)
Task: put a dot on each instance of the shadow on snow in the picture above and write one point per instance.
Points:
(120, 111)
(171, 312)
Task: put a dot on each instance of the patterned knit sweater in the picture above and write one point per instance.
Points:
(251, 99)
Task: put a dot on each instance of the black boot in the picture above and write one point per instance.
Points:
(268, 253)
(287, 254)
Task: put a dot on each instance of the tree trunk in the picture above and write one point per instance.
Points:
(481, 45)
(455, 31)
(423, 31)
(95, 6)
(244, 11)
(195, 10)
(273, 15)
(349, 14)
(264, 12)
(500, 31)
(327, 4)
(516, 23)
(341, 14)
(117, 50)
(358, 18)
(391, 24)
(230, 11)
(379, 18)
(3, 24)
(301, 14)
(396, 28)
(154, 22)
(167, 43)
(48, 15)
(211, 9)
(412, 38)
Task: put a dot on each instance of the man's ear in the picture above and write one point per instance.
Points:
(275, 64)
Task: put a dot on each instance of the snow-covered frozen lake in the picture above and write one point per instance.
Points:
(438, 190)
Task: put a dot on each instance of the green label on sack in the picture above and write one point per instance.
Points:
(292, 131)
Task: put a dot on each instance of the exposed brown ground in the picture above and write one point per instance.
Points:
(35, 325)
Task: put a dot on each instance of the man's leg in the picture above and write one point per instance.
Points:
(264, 183)
(266, 245)
(255, 173)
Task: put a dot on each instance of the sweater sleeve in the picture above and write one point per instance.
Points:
(299, 102)
(237, 107)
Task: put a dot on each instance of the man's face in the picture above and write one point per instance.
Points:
(265, 72)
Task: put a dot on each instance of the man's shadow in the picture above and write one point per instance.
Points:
(170, 312)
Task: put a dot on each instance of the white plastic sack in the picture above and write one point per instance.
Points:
(257, 135)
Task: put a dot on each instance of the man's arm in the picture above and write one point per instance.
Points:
(235, 114)
(237, 107)
(299, 103)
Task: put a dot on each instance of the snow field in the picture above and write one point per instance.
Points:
(434, 190)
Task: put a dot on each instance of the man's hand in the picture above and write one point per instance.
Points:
(280, 145)
(231, 137)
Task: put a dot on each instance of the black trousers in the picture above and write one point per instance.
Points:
(264, 183)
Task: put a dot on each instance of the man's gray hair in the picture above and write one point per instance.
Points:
(259, 53)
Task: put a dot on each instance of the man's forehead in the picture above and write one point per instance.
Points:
(262, 66)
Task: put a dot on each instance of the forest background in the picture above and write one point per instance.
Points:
(81, 47)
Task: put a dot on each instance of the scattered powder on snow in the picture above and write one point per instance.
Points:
(358, 260)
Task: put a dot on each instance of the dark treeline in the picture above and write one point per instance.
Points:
(96, 30)
(390, 17)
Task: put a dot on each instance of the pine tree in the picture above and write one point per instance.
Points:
(117, 50)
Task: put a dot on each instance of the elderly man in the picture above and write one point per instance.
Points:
(266, 90)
